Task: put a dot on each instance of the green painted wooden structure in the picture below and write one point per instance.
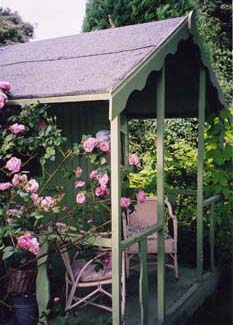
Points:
(175, 80)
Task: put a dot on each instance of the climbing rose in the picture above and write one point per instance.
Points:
(42, 125)
(3, 99)
(93, 174)
(89, 144)
(5, 186)
(19, 179)
(32, 186)
(99, 191)
(5, 86)
(79, 184)
(17, 128)
(24, 241)
(34, 246)
(103, 179)
(125, 202)
(80, 198)
(78, 171)
(141, 196)
(13, 165)
(134, 159)
(104, 146)
(48, 202)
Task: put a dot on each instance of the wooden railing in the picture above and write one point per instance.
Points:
(141, 239)
(211, 202)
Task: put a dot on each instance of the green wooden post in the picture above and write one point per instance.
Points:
(143, 282)
(212, 237)
(160, 106)
(116, 220)
(42, 283)
(201, 121)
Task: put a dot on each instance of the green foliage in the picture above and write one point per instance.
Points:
(102, 14)
(13, 29)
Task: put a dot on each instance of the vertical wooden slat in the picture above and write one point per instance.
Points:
(143, 282)
(42, 283)
(201, 121)
(116, 220)
(160, 106)
(212, 236)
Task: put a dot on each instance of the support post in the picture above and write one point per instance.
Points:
(143, 282)
(201, 122)
(116, 220)
(160, 106)
(212, 237)
(42, 283)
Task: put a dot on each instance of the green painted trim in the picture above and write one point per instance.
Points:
(143, 282)
(60, 99)
(212, 199)
(140, 236)
(42, 282)
(116, 220)
(201, 122)
(212, 237)
(137, 78)
(160, 106)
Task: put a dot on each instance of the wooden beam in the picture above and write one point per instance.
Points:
(160, 106)
(116, 219)
(201, 122)
(59, 99)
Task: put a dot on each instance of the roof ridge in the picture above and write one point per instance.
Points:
(79, 56)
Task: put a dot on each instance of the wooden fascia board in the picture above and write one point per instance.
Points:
(59, 99)
(137, 78)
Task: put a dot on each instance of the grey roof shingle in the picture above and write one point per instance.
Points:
(86, 63)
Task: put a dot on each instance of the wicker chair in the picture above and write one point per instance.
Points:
(81, 273)
(146, 215)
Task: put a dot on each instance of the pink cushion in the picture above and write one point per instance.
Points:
(90, 274)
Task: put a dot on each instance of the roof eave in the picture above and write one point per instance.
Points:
(60, 99)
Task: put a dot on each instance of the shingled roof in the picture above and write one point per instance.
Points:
(79, 64)
(83, 64)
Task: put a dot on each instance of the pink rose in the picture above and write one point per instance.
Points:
(79, 184)
(18, 180)
(5, 86)
(47, 203)
(99, 191)
(78, 171)
(134, 160)
(34, 246)
(3, 99)
(32, 186)
(103, 179)
(125, 202)
(5, 186)
(80, 198)
(93, 175)
(36, 199)
(17, 128)
(24, 241)
(89, 144)
(104, 146)
(13, 165)
(141, 196)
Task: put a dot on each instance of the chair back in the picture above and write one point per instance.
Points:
(66, 259)
(145, 214)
